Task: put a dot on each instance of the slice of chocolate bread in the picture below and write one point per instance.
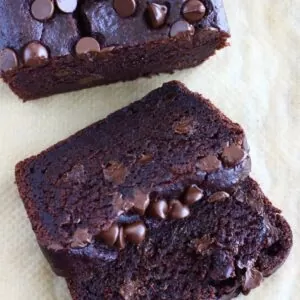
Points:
(151, 194)
(229, 242)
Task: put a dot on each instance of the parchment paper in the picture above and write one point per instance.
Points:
(255, 82)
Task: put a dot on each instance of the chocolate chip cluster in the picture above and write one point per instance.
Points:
(156, 15)
(135, 233)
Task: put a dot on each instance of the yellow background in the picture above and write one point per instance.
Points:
(255, 82)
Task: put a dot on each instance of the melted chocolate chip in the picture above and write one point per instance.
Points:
(86, 45)
(120, 243)
(140, 201)
(157, 14)
(34, 53)
(180, 27)
(193, 11)
(42, 10)
(135, 233)
(209, 164)
(177, 210)
(81, 238)
(8, 60)
(158, 209)
(252, 280)
(193, 194)
(110, 236)
(185, 126)
(233, 155)
(218, 197)
(67, 6)
(125, 8)
(115, 172)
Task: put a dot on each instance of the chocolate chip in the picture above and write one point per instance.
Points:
(209, 164)
(42, 10)
(218, 197)
(120, 243)
(67, 6)
(125, 8)
(110, 236)
(81, 238)
(86, 45)
(251, 280)
(193, 10)
(177, 210)
(135, 233)
(34, 53)
(115, 172)
(157, 14)
(8, 60)
(158, 209)
(193, 194)
(140, 201)
(232, 155)
(181, 27)
(145, 159)
(185, 126)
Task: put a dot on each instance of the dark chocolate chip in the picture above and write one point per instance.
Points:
(157, 14)
(177, 210)
(185, 126)
(110, 236)
(140, 201)
(135, 233)
(115, 172)
(193, 10)
(8, 60)
(120, 243)
(125, 8)
(67, 6)
(42, 10)
(209, 164)
(233, 155)
(86, 45)
(81, 238)
(193, 194)
(34, 53)
(158, 209)
(252, 279)
(218, 197)
(181, 27)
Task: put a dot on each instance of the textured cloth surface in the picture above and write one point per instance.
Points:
(256, 82)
